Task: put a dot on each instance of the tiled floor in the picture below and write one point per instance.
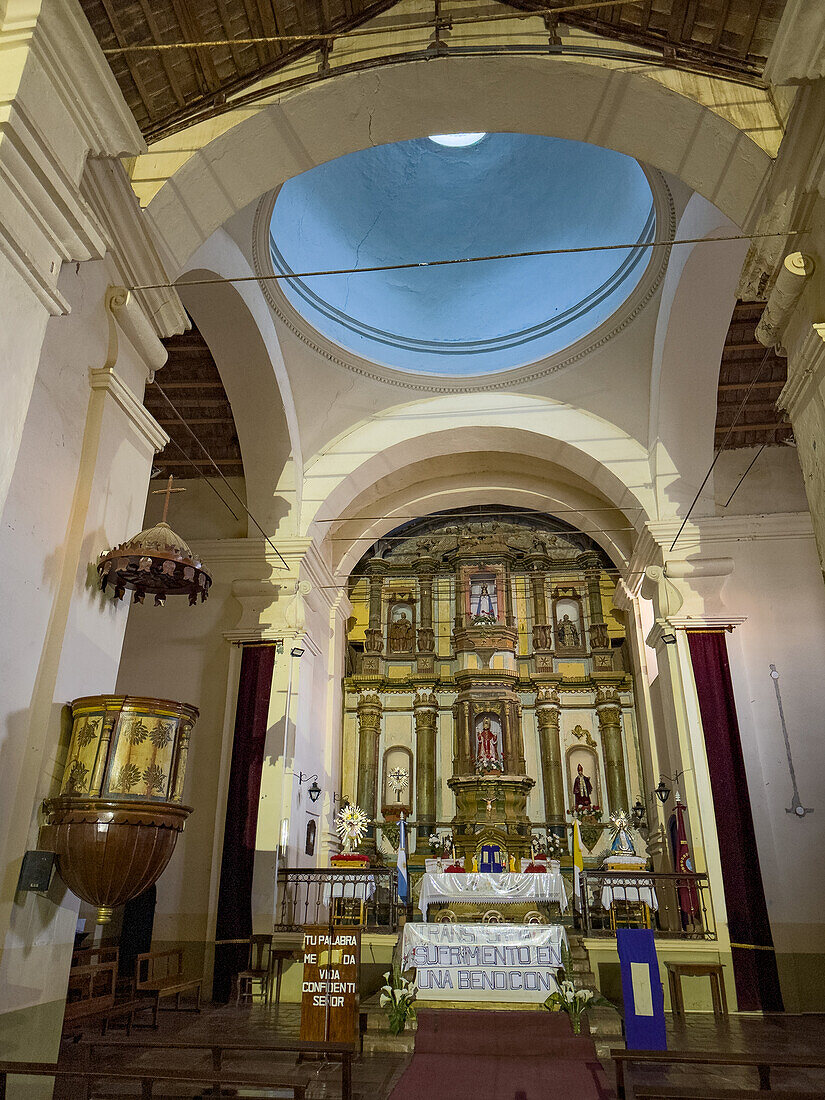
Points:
(375, 1074)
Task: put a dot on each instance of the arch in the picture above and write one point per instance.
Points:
(425, 488)
(559, 98)
(700, 284)
(239, 330)
(613, 464)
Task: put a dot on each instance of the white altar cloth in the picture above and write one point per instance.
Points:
(490, 962)
(642, 891)
(484, 888)
(361, 887)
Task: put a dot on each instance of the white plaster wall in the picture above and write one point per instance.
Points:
(78, 488)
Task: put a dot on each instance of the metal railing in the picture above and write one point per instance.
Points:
(677, 906)
(319, 895)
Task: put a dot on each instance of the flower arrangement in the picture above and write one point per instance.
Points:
(575, 1002)
(440, 844)
(397, 996)
(351, 826)
(586, 813)
(484, 618)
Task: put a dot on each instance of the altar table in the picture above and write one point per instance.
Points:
(495, 889)
(490, 962)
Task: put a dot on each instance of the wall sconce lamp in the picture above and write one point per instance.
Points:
(662, 792)
(638, 813)
(314, 791)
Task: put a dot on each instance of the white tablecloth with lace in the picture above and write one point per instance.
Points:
(641, 890)
(482, 888)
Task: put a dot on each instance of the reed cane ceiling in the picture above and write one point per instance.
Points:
(169, 89)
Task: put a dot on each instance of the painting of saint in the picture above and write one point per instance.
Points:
(401, 635)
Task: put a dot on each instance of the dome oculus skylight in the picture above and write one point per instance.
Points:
(415, 201)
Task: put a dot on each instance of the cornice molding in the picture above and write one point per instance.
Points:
(132, 247)
(65, 45)
(46, 221)
(105, 379)
(738, 528)
(805, 371)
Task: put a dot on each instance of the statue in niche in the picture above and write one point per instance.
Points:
(401, 639)
(582, 790)
(567, 633)
(483, 598)
(487, 747)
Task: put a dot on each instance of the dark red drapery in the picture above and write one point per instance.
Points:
(237, 863)
(755, 973)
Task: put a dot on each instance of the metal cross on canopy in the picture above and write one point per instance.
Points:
(167, 492)
(796, 806)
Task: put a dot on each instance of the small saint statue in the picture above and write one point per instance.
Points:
(486, 744)
(582, 790)
(484, 602)
(401, 634)
(567, 633)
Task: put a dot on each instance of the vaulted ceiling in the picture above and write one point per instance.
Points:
(168, 89)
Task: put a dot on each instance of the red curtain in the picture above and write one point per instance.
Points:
(755, 973)
(237, 863)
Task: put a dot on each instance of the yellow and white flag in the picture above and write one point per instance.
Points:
(578, 864)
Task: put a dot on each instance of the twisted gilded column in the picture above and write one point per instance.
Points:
(609, 711)
(369, 732)
(374, 642)
(552, 772)
(425, 710)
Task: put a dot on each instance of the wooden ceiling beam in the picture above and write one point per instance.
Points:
(777, 384)
(191, 31)
(132, 66)
(165, 56)
(737, 429)
(719, 28)
(754, 11)
(226, 23)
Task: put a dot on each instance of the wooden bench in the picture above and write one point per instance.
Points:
(708, 1089)
(343, 1052)
(91, 997)
(161, 974)
(148, 1079)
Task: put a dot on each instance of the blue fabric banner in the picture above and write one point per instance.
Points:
(644, 999)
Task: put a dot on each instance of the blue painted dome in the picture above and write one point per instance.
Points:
(419, 200)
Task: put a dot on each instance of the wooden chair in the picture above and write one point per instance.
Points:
(259, 970)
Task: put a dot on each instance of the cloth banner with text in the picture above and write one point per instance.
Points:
(491, 962)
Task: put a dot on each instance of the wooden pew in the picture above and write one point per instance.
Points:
(709, 1090)
(161, 974)
(91, 998)
(147, 1078)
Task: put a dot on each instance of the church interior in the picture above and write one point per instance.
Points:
(413, 548)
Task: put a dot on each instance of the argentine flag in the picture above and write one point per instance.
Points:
(403, 879)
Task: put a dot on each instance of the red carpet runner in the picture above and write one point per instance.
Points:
(478, 1055)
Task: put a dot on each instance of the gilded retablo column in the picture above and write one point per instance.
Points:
(369, 732)
(547, 717)
(425, 709)
(609, 711)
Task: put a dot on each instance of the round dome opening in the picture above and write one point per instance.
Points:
(418, 201)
